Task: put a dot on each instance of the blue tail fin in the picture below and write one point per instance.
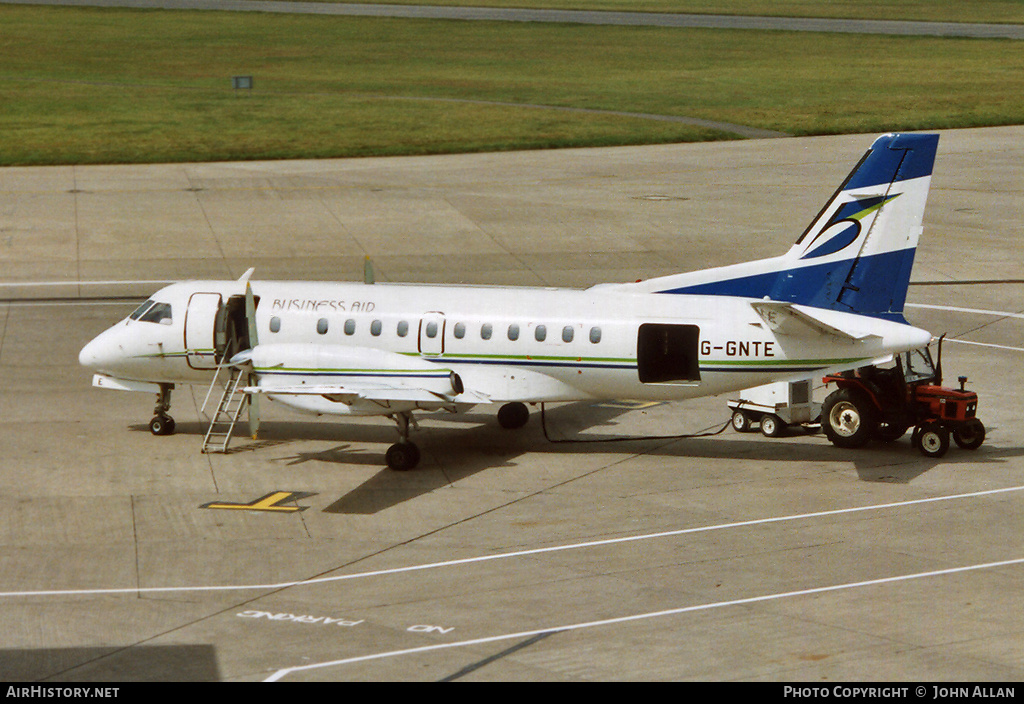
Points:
(856, 255)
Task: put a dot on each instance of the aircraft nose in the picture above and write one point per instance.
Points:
(100, 353)
(89, 355)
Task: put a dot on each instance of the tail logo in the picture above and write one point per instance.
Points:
(844, 227)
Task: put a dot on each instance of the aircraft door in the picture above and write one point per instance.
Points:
(667, 354)
(200, 325)
(431, 341)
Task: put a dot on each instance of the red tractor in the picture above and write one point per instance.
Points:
(882, 403)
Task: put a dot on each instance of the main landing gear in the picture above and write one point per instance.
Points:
(513, 416)
(403, 455)
(162, 424)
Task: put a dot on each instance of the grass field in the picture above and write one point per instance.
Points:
(115, 86)
(927, 10)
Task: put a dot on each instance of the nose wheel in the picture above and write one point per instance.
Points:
(162, 424)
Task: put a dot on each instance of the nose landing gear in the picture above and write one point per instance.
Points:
(162, 424)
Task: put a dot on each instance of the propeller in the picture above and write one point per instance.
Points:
(250, 319)
(368, 277)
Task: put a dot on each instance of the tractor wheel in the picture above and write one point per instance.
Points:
(933, 440)
(970, 435)
(849, 418)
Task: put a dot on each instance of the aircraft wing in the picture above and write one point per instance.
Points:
(802, 321)
(350, 374)
(349, 392)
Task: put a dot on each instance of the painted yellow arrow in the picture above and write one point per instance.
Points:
(270, 502)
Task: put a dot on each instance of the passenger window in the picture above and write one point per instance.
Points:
(159, 313)
(568, 333)
(460, 330)
(321, 326)
(486, 330)
(275, 324)
(540, 333)
(513, 331)
(431, 329)
(595, 335)
(350, 327)
(403, 328)
(375, 328)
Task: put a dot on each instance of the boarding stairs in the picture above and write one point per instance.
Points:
(233, 401)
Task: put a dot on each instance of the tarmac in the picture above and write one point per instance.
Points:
(505, 557)
(977, 30)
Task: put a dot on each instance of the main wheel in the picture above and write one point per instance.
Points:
(513, 415)
(970, 435)
(771, 425)
(933, 440)
(161, 425)
(402, 456)
(849, 418)
(740, 422)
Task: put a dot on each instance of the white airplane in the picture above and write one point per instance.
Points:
(834, 301)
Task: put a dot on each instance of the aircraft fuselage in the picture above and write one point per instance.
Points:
(506, 344)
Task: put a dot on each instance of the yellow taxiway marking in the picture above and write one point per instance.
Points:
(270, 502)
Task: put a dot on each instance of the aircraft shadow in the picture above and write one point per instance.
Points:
(459, 452)
(463, 452)
(467, 444)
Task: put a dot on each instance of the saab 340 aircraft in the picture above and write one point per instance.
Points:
(834, 301)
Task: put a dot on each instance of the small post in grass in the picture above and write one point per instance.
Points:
(241, 83)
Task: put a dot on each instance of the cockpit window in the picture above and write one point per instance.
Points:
(158, 313)
(140, 310)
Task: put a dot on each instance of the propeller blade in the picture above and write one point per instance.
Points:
(368, 277)
(241, 359)
(254, 409)
(250, 319)
(250, 314)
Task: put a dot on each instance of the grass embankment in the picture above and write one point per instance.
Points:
(996, 11)
(106, 86)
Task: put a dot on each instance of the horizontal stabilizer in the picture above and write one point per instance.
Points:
(790, 319)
